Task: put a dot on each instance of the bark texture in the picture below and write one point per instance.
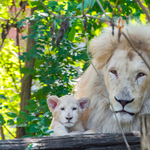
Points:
(27, 79)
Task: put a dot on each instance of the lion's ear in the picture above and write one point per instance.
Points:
(52, 102)
(84, 102)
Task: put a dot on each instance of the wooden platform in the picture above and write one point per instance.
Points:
(76, 142)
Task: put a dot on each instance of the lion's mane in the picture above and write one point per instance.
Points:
(98, 115)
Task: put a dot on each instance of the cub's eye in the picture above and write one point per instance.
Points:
(74, 108)
(62, 108)
(139, 75)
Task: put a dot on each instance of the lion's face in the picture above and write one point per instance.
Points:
(127, 79)
(66, 109)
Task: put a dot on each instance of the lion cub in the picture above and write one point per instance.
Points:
(67, 113)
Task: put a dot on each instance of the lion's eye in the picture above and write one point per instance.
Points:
(141, 74)
(74, 108)
(114, 72)
(62, 108)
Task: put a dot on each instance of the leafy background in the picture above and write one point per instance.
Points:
(52, 57)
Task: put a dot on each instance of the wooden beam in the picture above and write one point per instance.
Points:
(75, 142)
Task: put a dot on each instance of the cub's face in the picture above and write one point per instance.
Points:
(68, 112)
(66, 109)
(127, 79)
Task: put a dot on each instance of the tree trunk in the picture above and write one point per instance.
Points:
(26, 80)
(145, 132)
(2, 133)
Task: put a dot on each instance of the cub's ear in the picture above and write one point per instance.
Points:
(84, 102)
(52, 102)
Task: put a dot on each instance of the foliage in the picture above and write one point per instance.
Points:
(58, 54)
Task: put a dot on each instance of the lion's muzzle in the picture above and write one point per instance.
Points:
(124, 102)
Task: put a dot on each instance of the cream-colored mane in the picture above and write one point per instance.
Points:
(106, 50)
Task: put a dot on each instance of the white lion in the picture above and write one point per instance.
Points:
(67, 113)
(125, 75)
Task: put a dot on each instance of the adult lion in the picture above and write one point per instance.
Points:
(125, 75)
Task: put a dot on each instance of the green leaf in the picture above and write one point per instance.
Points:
(42, 122)
(22, 125)
(31, 107)
(10, 122)
(31, 146)
(86, 3)
(21, 57)
(24, 37)
(33, 128)
(19, 120)
(6, 106)
(3, 96)
(46, 114)
(72, 33)
(21, 23)
(32, 71)
(31, 101)
(2, 121)
(24, 70)
(31, 118)
(35, 2)
(48, 131)
(52, 4)
(11, 114)
(22, 113)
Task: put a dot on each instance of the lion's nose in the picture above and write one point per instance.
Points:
(124, 102)
(68, 118)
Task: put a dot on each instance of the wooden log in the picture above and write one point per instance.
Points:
(74, 142)
(145, 132)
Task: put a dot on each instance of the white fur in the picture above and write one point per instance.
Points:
(126, 84)
(67, 113)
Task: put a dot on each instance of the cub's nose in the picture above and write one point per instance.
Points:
(69, 118)
(124, 102)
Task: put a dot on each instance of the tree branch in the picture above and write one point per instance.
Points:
(13, 79)
(144, 9)
(136, 50)
(9, 131)
(18, 44)
(88, 7)
(102, 9)
(114, 8)
(79, 16)
(50, 12)
(105, 20)
(11, 25)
